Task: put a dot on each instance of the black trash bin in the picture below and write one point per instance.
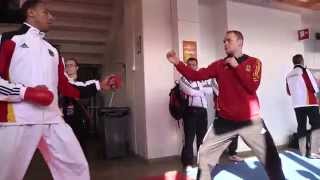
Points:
(115, 122)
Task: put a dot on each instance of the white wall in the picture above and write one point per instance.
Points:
(312, 46)
(207, 49)
(272, 37)
(162, 133)
(124, 51)
(185, 25)
(135, 75)
(188, 22)
(213, 25)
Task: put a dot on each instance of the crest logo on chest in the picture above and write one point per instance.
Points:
(24, 45)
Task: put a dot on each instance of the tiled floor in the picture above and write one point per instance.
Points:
(129, 168)
(121, 169)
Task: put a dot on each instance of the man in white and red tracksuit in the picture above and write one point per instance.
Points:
(302, 86)
(238, 77)
(31, 76)
(195, 117)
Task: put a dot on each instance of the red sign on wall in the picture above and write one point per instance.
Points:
(303, 34)
(189, 50)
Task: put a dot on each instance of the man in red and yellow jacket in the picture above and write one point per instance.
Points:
(238, 77)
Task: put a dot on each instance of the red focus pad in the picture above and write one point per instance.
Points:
(115, 82)
(38, 95)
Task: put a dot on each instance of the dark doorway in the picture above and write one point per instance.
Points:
(88, 72)
(10, 11)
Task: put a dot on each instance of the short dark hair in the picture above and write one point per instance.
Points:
(297, 59)
(237, 33)
(28, 4)
(73, 59)
(192, 59)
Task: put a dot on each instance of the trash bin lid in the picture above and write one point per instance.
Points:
(114, 111)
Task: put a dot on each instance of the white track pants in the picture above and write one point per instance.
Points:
(57, 144)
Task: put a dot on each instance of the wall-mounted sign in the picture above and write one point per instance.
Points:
(189, 50)
(303, 34)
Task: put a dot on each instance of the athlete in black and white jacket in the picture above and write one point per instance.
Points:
(195, 118)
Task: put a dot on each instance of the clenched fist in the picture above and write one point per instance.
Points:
(111, 82)
(231, 61)
(39, 95)
(172, 57)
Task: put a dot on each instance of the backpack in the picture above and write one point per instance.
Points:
(294, 141)
(178, 103)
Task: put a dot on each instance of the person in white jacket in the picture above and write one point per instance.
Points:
(195, 118)
(31, 76)
(302, 86)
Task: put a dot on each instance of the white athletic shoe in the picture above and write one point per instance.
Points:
(192, 172)
(313, 156)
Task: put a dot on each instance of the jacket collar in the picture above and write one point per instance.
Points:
(242, 58)
(33, 30)
(299, 66)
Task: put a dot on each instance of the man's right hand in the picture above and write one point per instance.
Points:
(39, 95)
(111, 82)
(172, 57)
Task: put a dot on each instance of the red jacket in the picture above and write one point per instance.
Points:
(237, 100)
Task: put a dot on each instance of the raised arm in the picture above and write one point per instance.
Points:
(77, 89)
(202, 74)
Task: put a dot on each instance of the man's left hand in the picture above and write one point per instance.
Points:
(232, 62)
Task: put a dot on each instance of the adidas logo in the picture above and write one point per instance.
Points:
(24, 45)
(51, 53)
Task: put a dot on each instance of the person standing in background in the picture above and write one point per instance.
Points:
(195, 117)
(302, 87)
(74, 112)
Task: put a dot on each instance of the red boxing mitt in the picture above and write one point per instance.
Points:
(38, 95)
(115, 82)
